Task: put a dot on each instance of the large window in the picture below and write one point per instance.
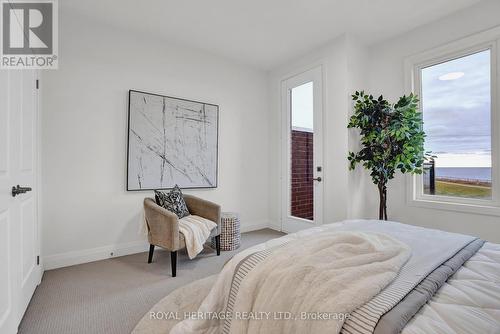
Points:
(456, 105)
(458, 90)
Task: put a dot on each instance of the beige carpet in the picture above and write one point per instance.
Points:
(111, 296)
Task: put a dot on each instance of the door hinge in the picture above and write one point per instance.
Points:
(37, 84)
(38, 260)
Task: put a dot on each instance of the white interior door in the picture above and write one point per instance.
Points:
(302, 159)
(19, 232)
(28, 202)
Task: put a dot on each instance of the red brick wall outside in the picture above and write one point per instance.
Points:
(302, 173)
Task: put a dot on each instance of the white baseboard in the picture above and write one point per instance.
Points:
(93, 254)
(254, 226)
(101, 253)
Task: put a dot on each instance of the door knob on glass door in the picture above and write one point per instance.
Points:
(319, 179)
(17, 190)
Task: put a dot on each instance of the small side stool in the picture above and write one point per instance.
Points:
(230, 235)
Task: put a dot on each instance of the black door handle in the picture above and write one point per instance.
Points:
(17, 190)
(319, 179)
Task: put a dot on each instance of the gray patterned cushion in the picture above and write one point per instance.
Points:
(172, 201)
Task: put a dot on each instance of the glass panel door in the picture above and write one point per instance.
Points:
(302, 146)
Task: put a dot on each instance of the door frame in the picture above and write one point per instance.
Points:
(290, 224)
(38, 164)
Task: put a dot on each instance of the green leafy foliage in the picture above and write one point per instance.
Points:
(391, 137)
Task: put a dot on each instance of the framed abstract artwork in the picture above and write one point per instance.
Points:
(171, 141)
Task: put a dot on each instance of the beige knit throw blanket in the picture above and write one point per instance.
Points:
(196, 231)
(286, 288)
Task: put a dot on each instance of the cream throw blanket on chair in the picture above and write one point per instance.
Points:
(328, 272)
(196, 231)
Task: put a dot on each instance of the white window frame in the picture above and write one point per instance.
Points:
(413, 68)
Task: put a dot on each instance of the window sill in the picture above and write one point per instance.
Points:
(489, 209)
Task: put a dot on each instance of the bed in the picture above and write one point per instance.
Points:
(428, 281)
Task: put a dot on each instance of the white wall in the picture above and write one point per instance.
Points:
(357, 60)
(343, 66)
(86, 211)
(386, 77)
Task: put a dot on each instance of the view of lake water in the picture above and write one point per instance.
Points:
(469, 173)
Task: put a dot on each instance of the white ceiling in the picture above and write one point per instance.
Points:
(265, 33)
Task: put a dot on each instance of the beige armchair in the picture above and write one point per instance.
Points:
(163, 226)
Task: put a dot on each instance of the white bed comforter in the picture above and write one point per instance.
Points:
(333, 272)
(468, 303)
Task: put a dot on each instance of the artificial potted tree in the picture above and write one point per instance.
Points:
(392, 139)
